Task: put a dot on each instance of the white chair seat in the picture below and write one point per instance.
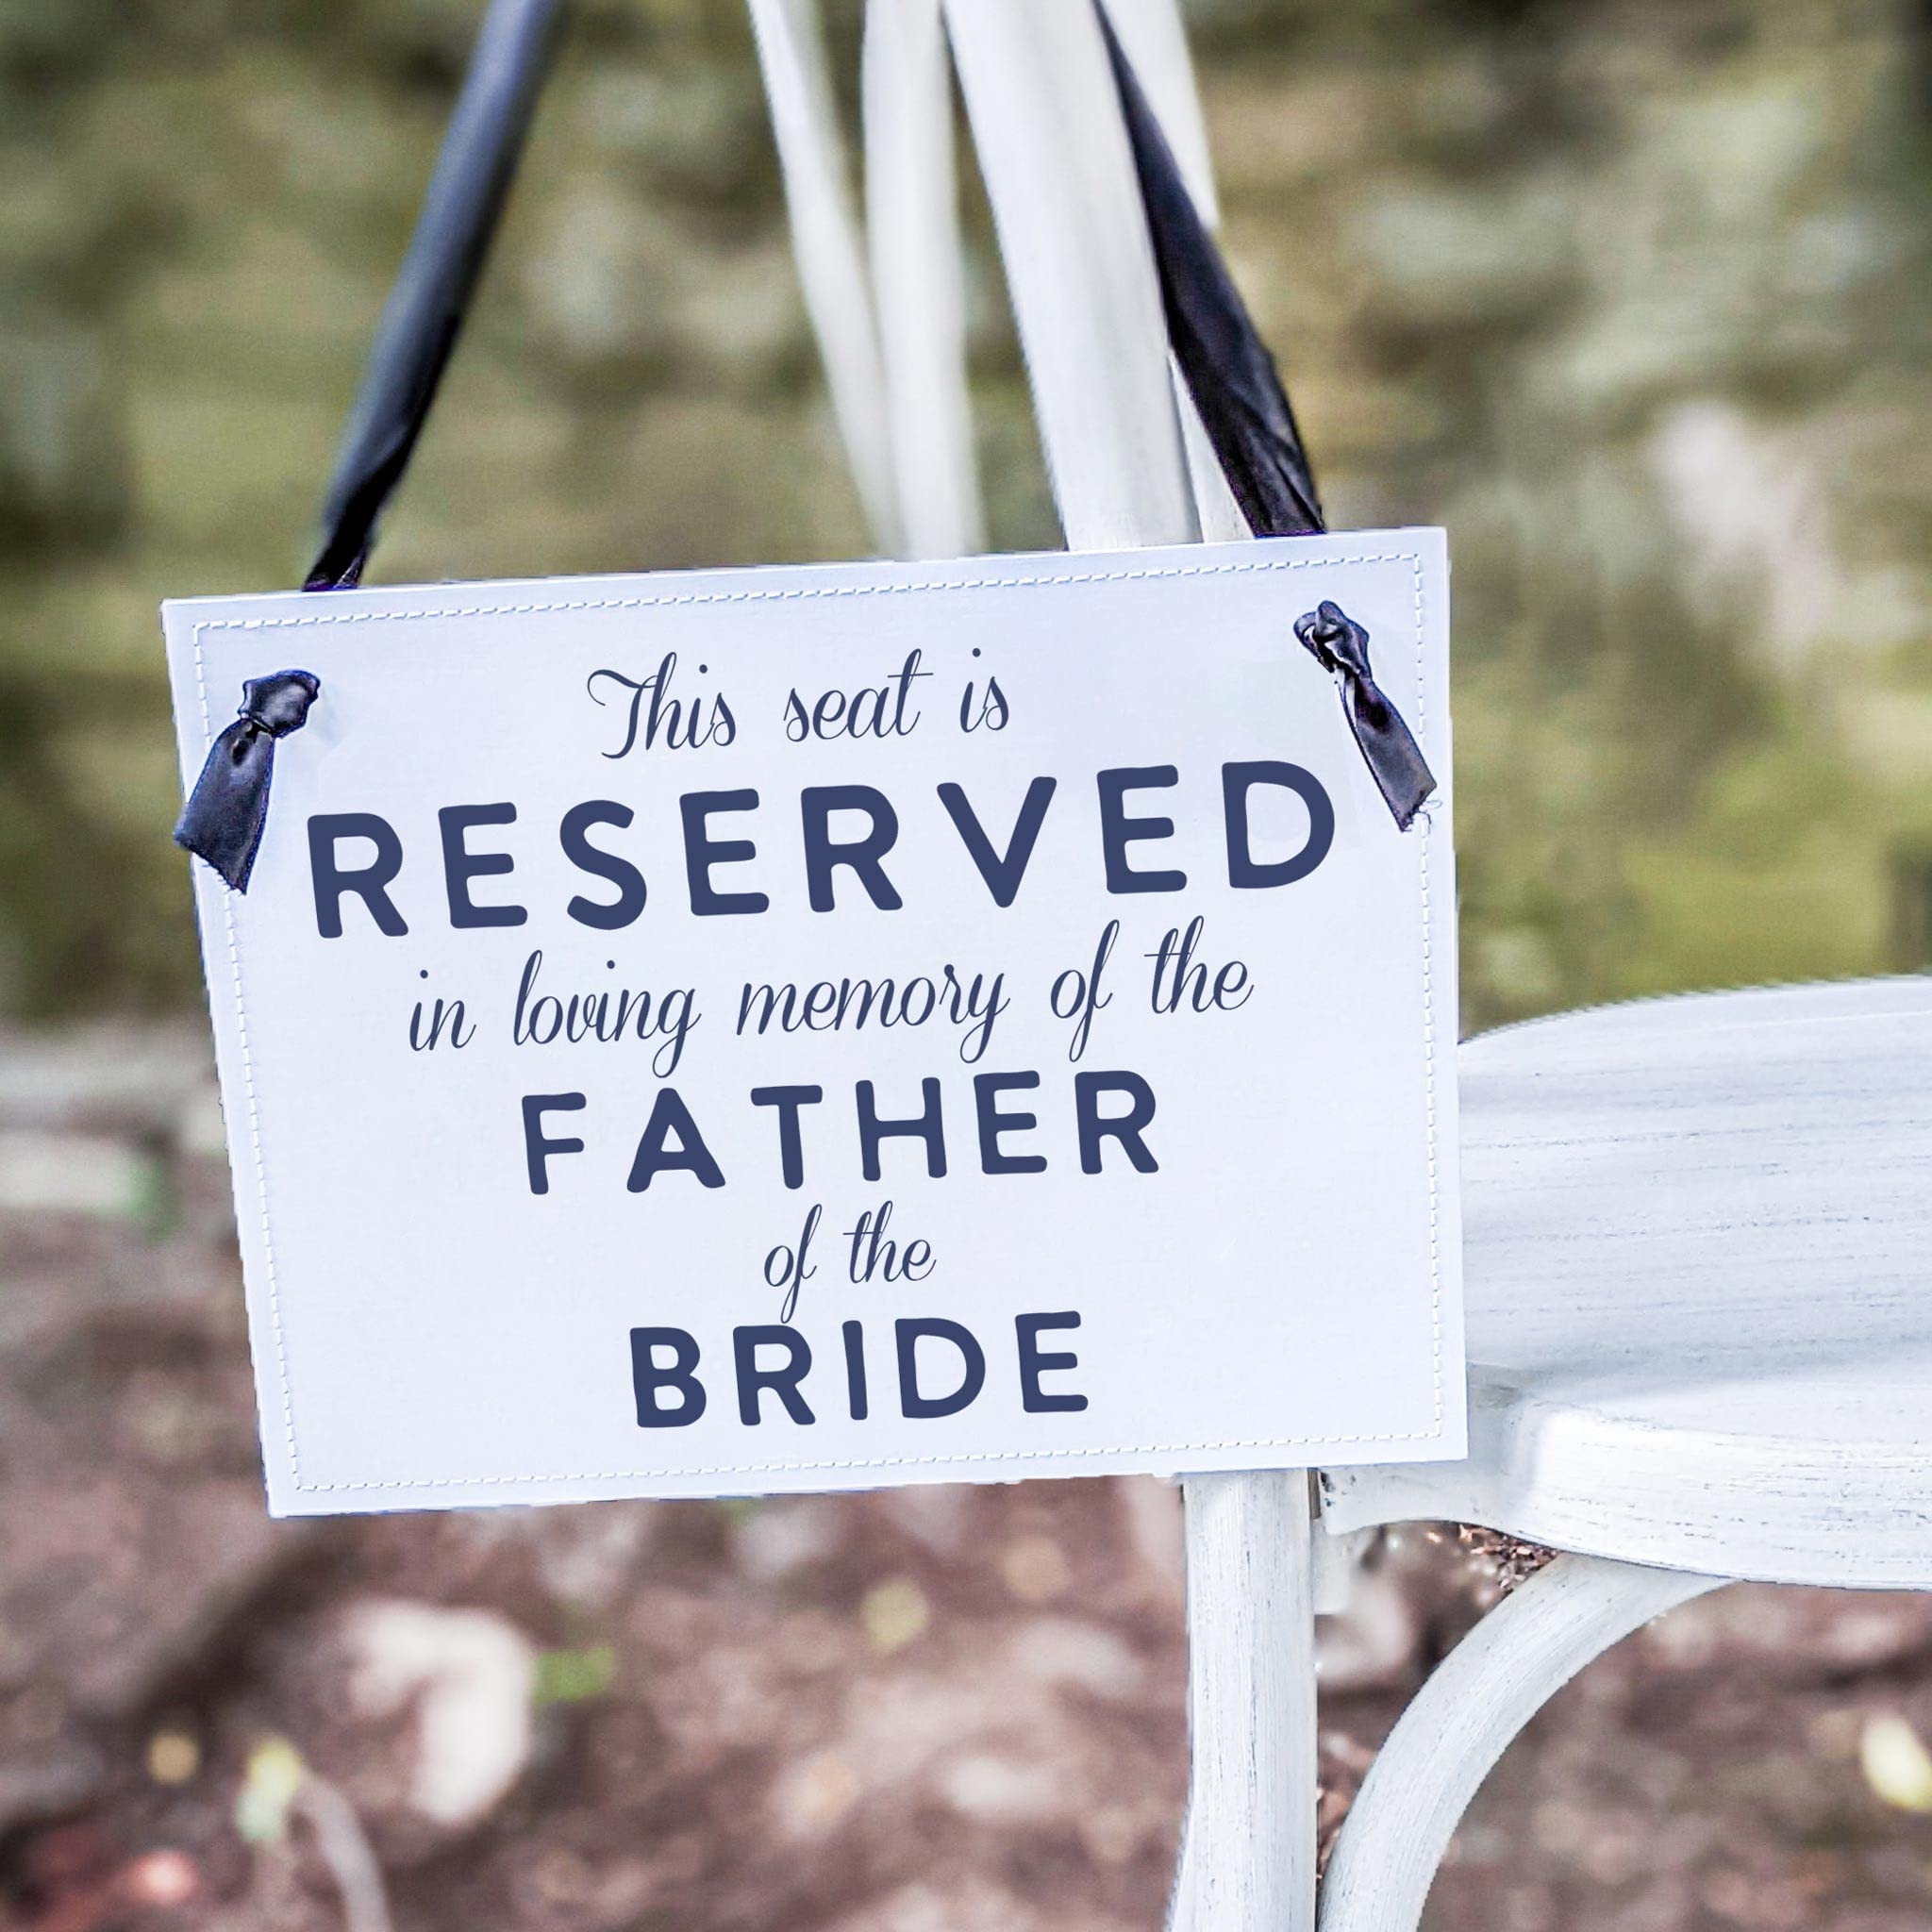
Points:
(1698, 1263)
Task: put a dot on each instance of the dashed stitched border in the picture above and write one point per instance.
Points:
(1012, 582)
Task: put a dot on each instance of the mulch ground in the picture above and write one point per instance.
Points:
(933, 1710)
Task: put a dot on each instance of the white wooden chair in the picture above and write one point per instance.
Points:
(1698, 1262)
(1698, 1231)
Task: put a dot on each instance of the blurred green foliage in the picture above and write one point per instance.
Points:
(575, 1677)
(1635, 299)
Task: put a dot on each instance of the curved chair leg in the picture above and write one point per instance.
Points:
(1461, 1722)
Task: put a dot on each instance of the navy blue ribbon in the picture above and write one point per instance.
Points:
(1340, 646)
(225, 812)
(225, 816)
(424, 314)
(1245, 409)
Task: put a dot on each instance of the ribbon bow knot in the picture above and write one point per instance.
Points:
(225, 812)
(279, 705)
(1337, 642)
(1340, 646)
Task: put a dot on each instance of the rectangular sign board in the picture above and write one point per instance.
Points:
(816, 1028)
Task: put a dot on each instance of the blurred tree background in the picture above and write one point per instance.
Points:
(1633, 296)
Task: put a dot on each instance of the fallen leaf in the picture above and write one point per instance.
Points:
(1896, 1765)
(269, 1787)
(895, 1613)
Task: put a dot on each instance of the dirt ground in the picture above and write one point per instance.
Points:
(934, 1710)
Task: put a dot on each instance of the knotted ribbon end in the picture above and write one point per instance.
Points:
(223, 821)
(1340, 646)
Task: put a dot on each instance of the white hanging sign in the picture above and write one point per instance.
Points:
(817, 1028)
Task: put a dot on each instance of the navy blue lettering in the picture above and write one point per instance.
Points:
(621, 872)
(1244, 872)
(1033, 1362)
(987, 1088)
(702, 852)
(788, 1100)
(926, 1126)
(1118, 831)
(1002, 874)
(913, 1403)
(855, 1369)
(647, 1378)
(461, 865)
(330, 880)
(656, 1154)
(538, 1146)
(823, 854)
(782, 1378)
(1125, 1128)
